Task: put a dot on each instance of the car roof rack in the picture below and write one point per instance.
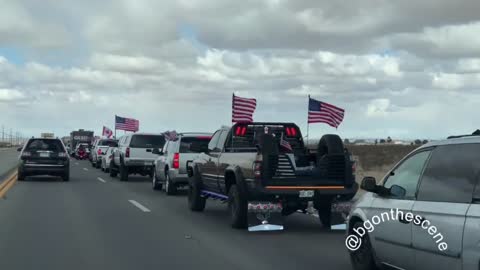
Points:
(475, 133)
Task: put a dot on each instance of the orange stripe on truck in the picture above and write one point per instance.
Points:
(303, 187)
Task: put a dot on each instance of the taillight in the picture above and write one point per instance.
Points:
(241, 131)
(99, 151)
(257, 169)
(176, 161)
(26, 154)
(291, 131)
(127, 152)
(353, 167)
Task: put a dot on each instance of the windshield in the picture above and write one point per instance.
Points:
(147, 141)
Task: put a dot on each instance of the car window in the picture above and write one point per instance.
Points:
(221, 140)
(107, 143)
(147, 141)
(451, 174)
(44, 145)
(213, 142)
(194, 144)
(408, 173)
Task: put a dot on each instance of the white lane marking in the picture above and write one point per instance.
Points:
(141, 207)
(85, 169)
(76, 163)
(101, 180)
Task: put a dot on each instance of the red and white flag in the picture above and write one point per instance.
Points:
(243, 109)
(107, 132)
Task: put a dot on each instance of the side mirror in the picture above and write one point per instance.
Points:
(397, 191)
(369, 184)
(19, 149)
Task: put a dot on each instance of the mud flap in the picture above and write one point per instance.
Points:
(265, 216)
(340, 212)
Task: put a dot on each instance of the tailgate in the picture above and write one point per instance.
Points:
(142, 154)
(332, 170)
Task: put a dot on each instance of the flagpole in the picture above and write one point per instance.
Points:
(308, 124)
(231, 129)
(115, 126)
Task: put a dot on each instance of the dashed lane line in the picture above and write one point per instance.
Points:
(101, 180)
(139, 206)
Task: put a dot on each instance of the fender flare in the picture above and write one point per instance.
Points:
(239, 178)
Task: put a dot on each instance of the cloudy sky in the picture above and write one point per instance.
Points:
(406, 69)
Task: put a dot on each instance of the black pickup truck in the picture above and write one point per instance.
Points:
(269, 162)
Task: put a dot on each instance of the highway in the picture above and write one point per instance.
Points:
(8, 160)
(98, 222)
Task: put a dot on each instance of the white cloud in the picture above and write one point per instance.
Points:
(175, 64)
(378, 107)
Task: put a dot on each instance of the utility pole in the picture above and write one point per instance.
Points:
(3, 133)
(11, 136)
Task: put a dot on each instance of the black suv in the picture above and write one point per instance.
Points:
(44, 156)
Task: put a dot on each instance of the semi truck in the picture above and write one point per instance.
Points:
(80, 136)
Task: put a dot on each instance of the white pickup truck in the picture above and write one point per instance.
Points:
(134, 154)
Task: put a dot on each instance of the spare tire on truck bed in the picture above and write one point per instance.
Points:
(332, 144)
(329, 144)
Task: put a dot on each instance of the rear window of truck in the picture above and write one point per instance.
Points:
(44, 145)
(147, 141)
(247, 136)
(194, 144)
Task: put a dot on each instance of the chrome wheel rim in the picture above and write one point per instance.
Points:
(167, 182)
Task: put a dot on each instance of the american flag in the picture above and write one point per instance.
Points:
(285, 144)
(322, 112)
(243, 109)
(128, 124)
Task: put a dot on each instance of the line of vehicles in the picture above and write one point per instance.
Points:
(247, 166)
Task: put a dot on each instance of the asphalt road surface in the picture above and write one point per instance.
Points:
(8, 160)
(102, 223)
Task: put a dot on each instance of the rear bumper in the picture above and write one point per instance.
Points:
(177, 177)
(39, 169)
(268, 193)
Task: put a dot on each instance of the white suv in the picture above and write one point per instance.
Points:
(99, 149)
(134, 154)
(170, 168)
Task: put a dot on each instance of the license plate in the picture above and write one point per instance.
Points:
(44, 154)
(306, 193)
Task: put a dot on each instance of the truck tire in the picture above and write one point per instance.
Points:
(97, 164)
(346, 198)
(329, 144)
(20, 176)
(324, 208)
(170, 188)
(113, 171)
(123, 173)
(363, 258)
(195, 200)
(237, 205)
(155, 184)
(66, 176)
